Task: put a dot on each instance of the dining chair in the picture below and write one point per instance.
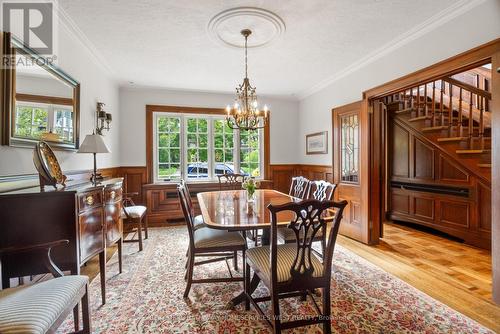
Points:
(318, 190)
(42, 307)
(299, 187)
(290, 270)
(135, 216)
(208, 242)
(230, 181)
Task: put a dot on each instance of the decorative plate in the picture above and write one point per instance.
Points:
(47, 165)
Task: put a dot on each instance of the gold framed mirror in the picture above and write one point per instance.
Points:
(39, 100)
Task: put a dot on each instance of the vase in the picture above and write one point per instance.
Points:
(250, 196)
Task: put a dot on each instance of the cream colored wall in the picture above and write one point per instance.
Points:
(96, 85)
(133, 101)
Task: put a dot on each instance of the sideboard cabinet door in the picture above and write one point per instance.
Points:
(91, 225)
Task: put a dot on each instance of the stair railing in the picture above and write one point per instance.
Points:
(452, 105)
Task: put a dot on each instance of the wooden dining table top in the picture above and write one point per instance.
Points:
(230, 210)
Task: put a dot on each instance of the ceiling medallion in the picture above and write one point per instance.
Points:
(246, 113)
(225, 27)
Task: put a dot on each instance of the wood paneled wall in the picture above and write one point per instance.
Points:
(417, 160)
(281, 175)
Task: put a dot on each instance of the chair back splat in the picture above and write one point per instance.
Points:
(299, 187)
(230, 181)
(321, 190)
(187, 210)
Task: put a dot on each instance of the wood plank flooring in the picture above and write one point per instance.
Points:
(456, 274)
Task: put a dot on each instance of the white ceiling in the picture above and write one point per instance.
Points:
(165, 43)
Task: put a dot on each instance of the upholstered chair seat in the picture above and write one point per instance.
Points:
(258, 258)
(35, 308)
(198, 222)
(136, 211)
(209, 238)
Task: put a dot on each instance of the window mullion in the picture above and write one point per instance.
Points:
(183, 140)
(236, 150)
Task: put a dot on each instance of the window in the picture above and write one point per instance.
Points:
(200, 147)
(349, 145)
(223, 148)
(34, 119)
(250, 152)
(168, 147)
(31, 121)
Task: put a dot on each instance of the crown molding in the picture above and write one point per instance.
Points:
(458, 8)
(124, 86)
(74, 31)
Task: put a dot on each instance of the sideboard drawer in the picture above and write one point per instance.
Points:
(88, 200)
(91, 226)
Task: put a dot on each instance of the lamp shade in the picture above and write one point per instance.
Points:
(93, 144)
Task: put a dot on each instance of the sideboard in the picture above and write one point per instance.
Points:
(87, 215)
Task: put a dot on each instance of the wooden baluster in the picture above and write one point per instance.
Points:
(460, 120)
(441, 102)
(450, 111)
(411, 98)
(471, 121)
(426, 109)
(481, 122)
(486, 101)
(433, 120)
(418, 101)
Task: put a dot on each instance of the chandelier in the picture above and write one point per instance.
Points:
(245, 114)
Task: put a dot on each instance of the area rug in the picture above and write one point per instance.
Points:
(147, 298)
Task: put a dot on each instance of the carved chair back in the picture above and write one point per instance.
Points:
(187, 193)
(321, 190)
(187, 210)
(309, 219)
(230, 181)
(299, 187)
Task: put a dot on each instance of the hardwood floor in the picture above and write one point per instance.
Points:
(458, 275)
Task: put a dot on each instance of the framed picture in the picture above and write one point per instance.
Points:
(317, 143)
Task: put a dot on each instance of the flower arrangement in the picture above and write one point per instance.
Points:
(250, 185)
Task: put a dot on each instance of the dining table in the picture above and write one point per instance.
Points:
(233, 211)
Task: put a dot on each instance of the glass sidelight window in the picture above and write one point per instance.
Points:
(349, 149)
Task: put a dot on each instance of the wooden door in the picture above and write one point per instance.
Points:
(351, 167)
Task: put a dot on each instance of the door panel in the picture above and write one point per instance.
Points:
(350, 161)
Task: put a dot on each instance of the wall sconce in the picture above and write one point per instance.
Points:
(103, 119)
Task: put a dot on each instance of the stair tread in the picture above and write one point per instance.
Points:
(484, 165)
(435, 128)
(445, 139)
(472, 151)
(419, 118)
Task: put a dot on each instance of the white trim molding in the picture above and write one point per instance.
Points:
(458, 8)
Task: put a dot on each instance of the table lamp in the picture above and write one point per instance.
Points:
(94, 144)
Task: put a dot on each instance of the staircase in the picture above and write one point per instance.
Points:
(454, 113)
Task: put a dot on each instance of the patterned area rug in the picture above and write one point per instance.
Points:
(147, 298)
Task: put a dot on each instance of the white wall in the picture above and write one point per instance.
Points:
(96, 85)
(133, 101)
(478, 26)
(46, 86)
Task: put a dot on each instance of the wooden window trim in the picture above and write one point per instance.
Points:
(62, 101)
(150, 109)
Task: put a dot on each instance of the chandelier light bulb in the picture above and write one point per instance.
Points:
(265, 108)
